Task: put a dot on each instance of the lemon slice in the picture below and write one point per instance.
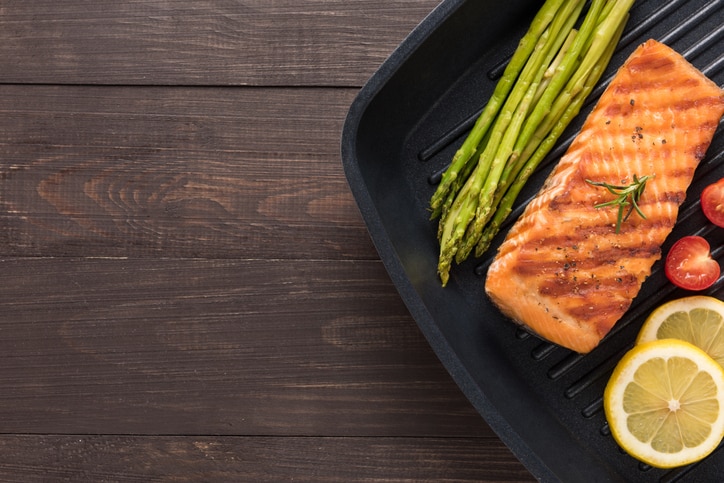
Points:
(665, 403)
(698, 319)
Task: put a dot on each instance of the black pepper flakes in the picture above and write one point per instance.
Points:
(632, 102)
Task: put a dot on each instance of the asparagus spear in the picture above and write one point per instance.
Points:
(465, 205)
(594, 57)
(456, 241)
(540, 95)
(561, 115)
(523, 152)
(531, 79)
(502, 88)
(458, 182)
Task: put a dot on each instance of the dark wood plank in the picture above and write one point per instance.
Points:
(193, 42)
(260, 459)
(183, 172)
(189, 292)
(119, 346)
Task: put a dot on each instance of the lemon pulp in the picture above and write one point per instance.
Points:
(697, 319)
(665, 403)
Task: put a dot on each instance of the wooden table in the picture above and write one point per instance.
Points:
(188, 290)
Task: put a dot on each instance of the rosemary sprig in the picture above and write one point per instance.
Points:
(623, 194)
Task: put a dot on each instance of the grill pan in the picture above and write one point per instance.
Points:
(543, 401)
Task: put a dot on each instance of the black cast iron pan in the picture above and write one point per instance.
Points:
(544, 401)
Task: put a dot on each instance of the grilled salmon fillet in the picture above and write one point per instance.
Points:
(563, 270)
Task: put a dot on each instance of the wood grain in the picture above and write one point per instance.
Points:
(182, 172)
(192, 42)
(227, 347)
(259, 459)
(188, 290)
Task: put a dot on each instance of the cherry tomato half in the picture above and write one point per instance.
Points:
(689, 264)
(712, 202)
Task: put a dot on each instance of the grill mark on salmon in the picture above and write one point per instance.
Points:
(595, 259)
(563, 271)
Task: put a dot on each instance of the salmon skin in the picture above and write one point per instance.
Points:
(563, 270)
